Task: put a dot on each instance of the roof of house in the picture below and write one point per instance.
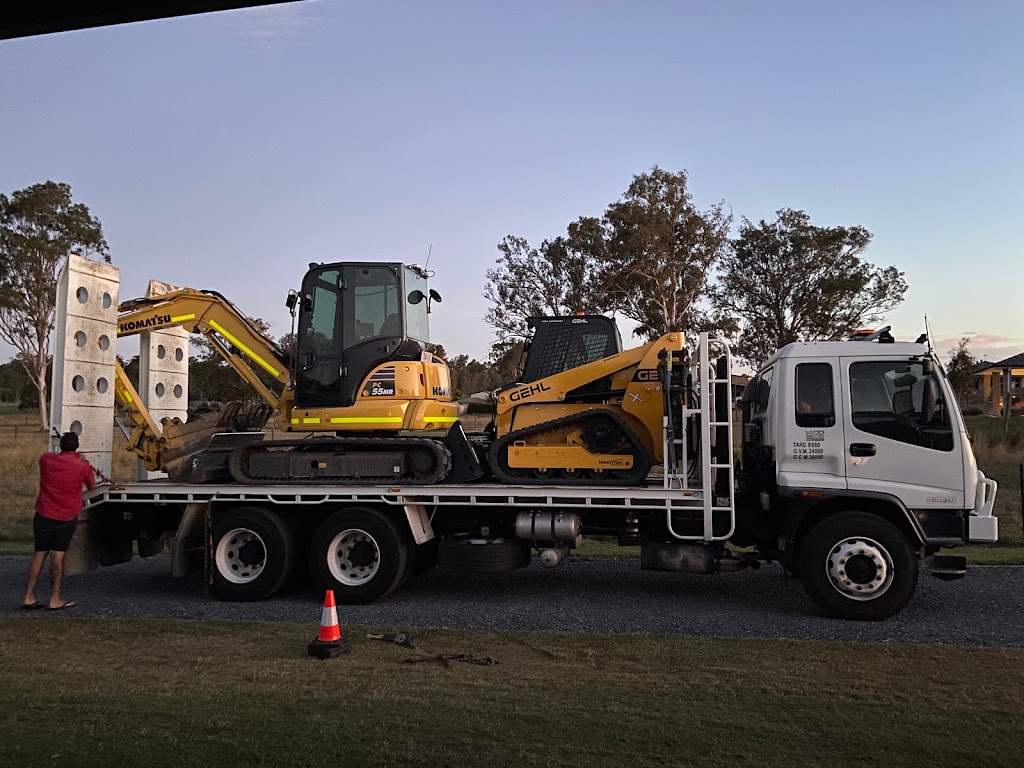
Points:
(1016, 361)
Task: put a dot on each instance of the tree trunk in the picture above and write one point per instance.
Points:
(44, 405)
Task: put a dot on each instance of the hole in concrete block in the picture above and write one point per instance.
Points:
(107, 301)
(79, 338)
(82, 294)
(78, 383)
(104, 343)
(179, 355)
(76, 427)
(101, 385)
(160, 351)
(178, 391)
(160, 389)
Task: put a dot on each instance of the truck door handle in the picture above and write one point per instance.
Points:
(862, 449)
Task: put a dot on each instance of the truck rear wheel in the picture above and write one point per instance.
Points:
(858, 566)
(360, 554)
(253, 552)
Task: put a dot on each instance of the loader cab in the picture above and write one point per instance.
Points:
(354, 316)
(560, 343)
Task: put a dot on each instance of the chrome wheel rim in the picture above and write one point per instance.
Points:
(353, 557)
(859, 568)
(241, 555)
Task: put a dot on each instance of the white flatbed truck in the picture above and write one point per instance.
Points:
(856, 467)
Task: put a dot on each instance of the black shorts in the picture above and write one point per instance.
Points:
(53, 535)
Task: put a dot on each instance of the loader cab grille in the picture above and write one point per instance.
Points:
(561, 343)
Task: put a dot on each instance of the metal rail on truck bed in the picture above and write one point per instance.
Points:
(650, 497)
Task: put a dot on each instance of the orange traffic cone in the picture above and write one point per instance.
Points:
(330, 641)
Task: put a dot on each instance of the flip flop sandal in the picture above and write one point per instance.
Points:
(69, 604)
(32, 606)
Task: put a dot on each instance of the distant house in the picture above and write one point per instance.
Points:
(990, 380)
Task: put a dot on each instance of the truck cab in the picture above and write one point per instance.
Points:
(857, 451)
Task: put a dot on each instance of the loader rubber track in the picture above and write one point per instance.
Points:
(635, 475)
(342, 461)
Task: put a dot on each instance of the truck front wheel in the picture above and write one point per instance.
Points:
(360, 554)
(253, 551)
(858, 566)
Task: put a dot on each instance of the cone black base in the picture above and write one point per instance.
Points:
(321, 649)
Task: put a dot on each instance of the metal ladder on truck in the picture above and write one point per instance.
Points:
(700, 394)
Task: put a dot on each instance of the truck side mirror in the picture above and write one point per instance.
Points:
(415, 297)
(435, 296)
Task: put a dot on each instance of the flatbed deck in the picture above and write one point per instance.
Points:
(646, 497)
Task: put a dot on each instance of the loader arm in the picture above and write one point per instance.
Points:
(234, 336)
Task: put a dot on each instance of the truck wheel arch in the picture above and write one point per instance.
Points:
(887, 507)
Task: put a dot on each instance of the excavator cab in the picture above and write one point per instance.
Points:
(354, 317)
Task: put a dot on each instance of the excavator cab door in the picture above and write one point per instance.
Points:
(353, 319)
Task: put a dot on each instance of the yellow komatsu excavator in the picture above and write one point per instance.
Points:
(374, 405)
(361, 381)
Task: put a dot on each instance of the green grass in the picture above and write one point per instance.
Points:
(105, 692)
(12, 410)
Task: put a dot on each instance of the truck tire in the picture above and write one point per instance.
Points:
(360, 554)
(858, 566)
(253, 553)
(471, 555)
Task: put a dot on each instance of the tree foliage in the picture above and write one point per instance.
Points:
(471, 376)
(788, 280)
(561, 276)
(649, 257)
(661, 250)
(39, 227)
(960, 370)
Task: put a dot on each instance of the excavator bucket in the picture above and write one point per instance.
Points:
(184, 439)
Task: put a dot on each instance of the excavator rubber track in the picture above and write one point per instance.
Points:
(629, 444)
(342, 461)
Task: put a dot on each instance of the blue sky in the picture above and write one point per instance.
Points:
(229, 150)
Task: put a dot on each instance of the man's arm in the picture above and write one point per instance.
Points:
(89, 475)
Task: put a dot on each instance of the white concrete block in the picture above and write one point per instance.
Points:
(163, 370)
(84, 341)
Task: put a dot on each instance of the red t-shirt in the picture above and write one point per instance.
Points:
(61, 476)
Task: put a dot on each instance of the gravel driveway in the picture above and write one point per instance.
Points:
(600, 595)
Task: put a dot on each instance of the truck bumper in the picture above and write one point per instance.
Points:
(982, 525)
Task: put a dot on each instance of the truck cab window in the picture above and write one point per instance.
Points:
(815, 402)
(897, 400)
(764, 390)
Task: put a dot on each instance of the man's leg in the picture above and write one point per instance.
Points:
(56, 574)
(35, 567)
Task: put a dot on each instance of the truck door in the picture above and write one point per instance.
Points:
(810, 440)
(898, 434)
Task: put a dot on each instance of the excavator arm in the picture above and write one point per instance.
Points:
(233, 335)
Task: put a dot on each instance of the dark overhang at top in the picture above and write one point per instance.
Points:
(25, 18)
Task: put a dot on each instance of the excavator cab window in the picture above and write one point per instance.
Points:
(354, 317)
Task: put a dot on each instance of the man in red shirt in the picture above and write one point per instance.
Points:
(61, 476)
